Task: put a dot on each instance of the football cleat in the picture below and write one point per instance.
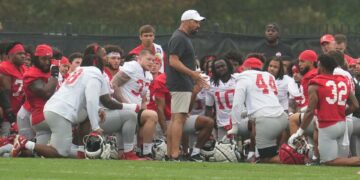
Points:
(132, 156)
(19, 144)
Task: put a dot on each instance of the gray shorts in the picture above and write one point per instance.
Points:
(268, 129)
(330, 141)
(355, 139)
(122, 122)
(180, 102)
(61, 132)
(356, 126)
(189, 126)
(243, 130)
(43, 133)
(23, 119)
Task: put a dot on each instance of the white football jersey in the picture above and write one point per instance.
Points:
(81, 90)
(107, 80)
(138, 84)
(282, 85)
(347, 75)
(222, 96)
(258, 91)
(296, 93)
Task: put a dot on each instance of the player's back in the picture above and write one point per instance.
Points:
(333, 92)
(70, 98)
(261, 93)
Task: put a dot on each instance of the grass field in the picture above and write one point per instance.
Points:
(32, 168)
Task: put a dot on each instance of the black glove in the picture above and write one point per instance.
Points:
(55, 71)
(10, 116)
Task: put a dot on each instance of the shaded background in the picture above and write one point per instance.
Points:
(232, 25)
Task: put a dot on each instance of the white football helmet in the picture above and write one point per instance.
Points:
(225, 152)
(220, 152)
(112, 141)
(208, 150)
(159, 149)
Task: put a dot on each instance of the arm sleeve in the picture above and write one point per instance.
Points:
(239, 100)
(128, 69)
(92, 95)
(105, 87)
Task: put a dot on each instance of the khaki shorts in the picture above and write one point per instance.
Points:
(180, 102)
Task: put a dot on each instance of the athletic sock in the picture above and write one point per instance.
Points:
(30, 146)
(128, 147)
(147, 148)
(195, 151)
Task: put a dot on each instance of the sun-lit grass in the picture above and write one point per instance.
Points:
(31, 168)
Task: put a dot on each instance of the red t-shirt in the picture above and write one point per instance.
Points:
(36, 103)
(333, 92)
(152, 104)
(161, 91)
(305, 84)
(16, 73)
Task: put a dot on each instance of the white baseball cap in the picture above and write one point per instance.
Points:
(191, 15)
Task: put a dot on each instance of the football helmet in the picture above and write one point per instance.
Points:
(159, 149)
(208, 150)
(220, 151)
(97, 148)
(294, 153)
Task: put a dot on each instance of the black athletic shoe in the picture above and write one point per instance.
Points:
(314, 162)
(196, 158)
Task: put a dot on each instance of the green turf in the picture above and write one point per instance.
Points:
(31, 168)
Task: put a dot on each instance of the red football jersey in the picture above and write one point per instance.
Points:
(18, 97)
(305, 84)
(36, 103)
(161, 91)
(333, 92)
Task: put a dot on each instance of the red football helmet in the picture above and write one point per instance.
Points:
(294, 153)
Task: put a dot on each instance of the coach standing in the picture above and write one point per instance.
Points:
(181, 76)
